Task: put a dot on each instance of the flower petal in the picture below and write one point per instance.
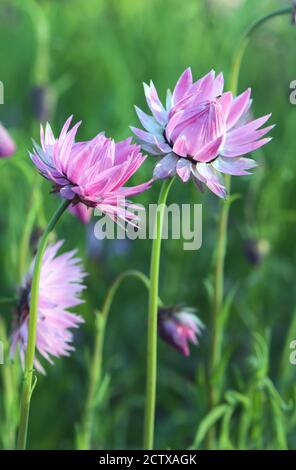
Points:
(209, 151)
(182, 85)
(208, 175)
(183, 169)
(245, 148)
(234, 166)
(155, 104)
(166, 167)
(238, 108)
(148, 122)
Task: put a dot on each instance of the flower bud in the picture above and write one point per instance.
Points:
(178, 325)
(7, 145)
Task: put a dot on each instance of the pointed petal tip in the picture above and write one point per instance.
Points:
(187, 71)
(138, 111)
(247, 92)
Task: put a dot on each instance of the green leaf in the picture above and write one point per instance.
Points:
(206, 424)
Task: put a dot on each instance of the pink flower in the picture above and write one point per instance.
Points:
(91, 172)
(81, 211)
(61, 283)
(179, 325)
(7, 145)
(202, 132)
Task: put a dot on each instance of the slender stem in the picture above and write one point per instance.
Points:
(9, 398)
(216, 337)
(25, 240)
(84, 440)
(152, 319)
(240, 51)
(33, 317)
(217, 328)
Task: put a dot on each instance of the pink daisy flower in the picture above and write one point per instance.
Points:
(61, 283)
(202, 132)
(7, 145)
(178, 326)
(92, 172)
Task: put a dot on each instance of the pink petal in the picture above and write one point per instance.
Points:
(81, 211)
(182, 86)
(218, 86)
(234, 166)
(166, 167)
(238, 150)
(148, 122)
(247, 132)
(183, 169)
(239, 106)
(155, 104)
(207, 174)
(7, 145)
(209, 151)
(180, 146)
(225, 102)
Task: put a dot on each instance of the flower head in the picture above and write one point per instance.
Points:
(178, 326)
(61, 283)
(7, 145)
(92, 172)
(202, 132)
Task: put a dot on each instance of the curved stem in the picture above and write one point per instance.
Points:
(217, 332)
(84, 440)
(239, 54)
(33, 317)
(152, 319)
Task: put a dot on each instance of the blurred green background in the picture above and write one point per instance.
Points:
(89, 58)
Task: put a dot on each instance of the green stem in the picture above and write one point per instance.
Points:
(84, 441)
(217, 328)
(152, 319)
(10, 386)
(239, 54)
(25, 240)
(33, 317)
(217, 332)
